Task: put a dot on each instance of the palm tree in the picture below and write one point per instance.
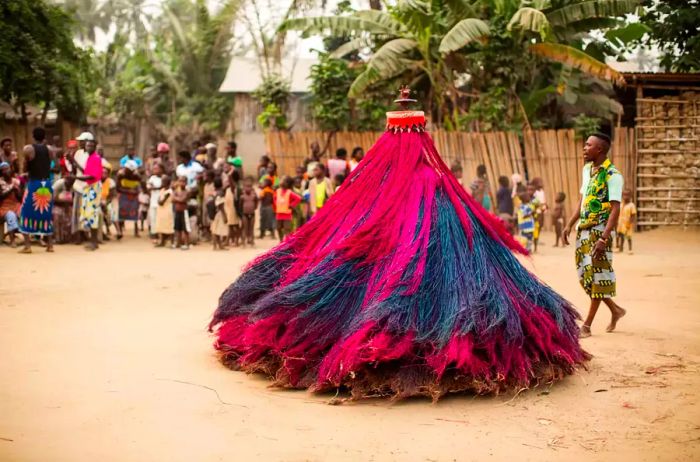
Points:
(431, 41)
(89, 15)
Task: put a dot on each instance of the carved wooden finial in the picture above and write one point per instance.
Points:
(404, 97)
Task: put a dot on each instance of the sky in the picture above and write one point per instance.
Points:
(271, 12)
(270, 15)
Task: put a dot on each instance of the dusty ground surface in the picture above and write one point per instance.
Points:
(105, 357)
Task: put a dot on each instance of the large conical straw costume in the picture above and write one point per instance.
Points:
(400, 285)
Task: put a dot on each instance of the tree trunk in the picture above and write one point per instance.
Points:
(43, 114)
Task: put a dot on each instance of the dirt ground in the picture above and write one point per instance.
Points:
(106, 357)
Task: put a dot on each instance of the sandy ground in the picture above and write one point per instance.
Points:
(106, 357)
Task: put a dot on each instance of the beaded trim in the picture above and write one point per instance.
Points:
(417, 128)
(405, 121)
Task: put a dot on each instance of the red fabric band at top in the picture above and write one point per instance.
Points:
(405, 118)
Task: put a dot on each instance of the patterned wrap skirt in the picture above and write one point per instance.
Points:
(36, 214)
(597, 277)
(128, 207)
(90, 206)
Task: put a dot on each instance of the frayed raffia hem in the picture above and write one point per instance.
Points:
(397, 380)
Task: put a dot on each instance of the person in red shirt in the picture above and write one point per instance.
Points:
(64, 162)
(284, 202)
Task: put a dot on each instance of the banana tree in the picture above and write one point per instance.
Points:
(406, 39)
(430, 42)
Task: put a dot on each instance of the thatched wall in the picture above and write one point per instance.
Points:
(668, 169)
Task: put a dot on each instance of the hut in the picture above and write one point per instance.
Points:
(242, 78)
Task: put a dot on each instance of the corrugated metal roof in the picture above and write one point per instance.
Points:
(684, 77)
(244, 76)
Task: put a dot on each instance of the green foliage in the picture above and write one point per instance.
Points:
(370, 112)
(675, 28)
(39, 63)
(273, 94)
(496, 46)
(331, 108)
(489, 112)
(272, 117)
(584, 125)
(273, 90)
(330, 80)
(171, 76)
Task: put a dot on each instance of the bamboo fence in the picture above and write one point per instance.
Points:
(21, 132)
(556, 156)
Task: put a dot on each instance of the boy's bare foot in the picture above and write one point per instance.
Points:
(616, 316)
(26, 250)
(585, 331)
(49, 249)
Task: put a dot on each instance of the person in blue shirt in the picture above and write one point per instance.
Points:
(130, 155)
(526, 217)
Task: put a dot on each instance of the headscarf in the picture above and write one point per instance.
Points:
(131, 165)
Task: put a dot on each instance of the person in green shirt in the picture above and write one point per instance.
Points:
(595, 220)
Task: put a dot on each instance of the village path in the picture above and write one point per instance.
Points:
(106, 357)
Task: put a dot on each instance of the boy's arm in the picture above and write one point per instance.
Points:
(599, 246)
(294, 200)
(165, 198)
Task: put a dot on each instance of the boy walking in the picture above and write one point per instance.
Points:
(320, 190)
(267, 210)
(526, 217)
(596, 219)
(180, 196)
(249, 203)
(285, 201)
(628, 217)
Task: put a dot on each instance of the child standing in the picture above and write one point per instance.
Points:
(154, 184)
(537, 213)
(219, 226)
(628, 218)
(504, 202)
(249, 204)
(558, 215)
(526, 218)
(538, 195)
(107, 197)
(299, 212)
(180, 197)
(232, 196)
(209, 193)
(165, 221)
(284, 201)
(320, 190)
(267, 212)
(144, 204)
(338, 181)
